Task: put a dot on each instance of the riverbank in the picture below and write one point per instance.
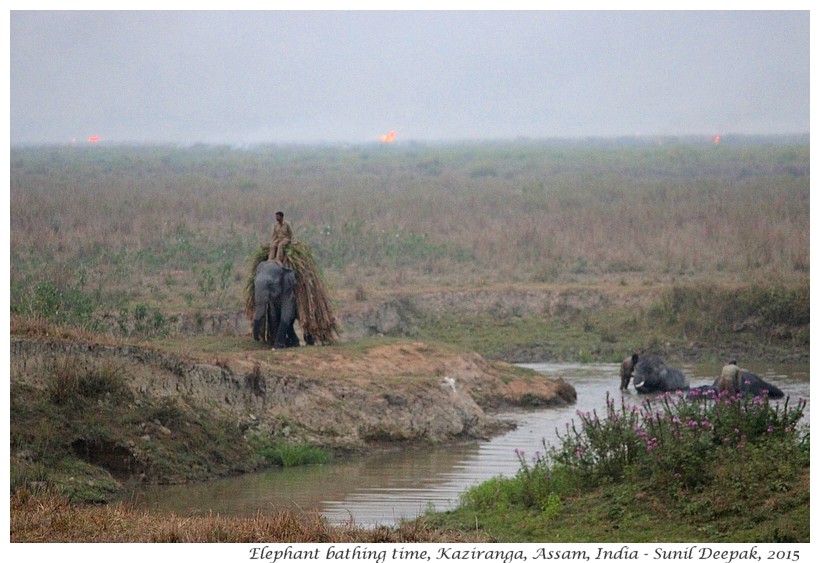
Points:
(414, 367)
(600, 319)
(91, 416)
(94, 414)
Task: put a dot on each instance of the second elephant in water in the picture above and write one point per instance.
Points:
(652, 375)
(737, 380)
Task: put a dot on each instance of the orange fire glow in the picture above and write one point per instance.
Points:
(717, 139)
(94, 139)
(389, 137)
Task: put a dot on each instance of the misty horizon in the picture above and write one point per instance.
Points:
(250, 78)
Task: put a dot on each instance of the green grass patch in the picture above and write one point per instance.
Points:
(288, 454)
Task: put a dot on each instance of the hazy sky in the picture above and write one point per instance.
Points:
(319, 76)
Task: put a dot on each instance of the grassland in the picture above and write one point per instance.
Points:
(128, 239)
(691, 246)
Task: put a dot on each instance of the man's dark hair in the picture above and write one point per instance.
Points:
(279, 213)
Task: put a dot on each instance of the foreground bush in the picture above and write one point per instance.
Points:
(678, 441)
(688, 467)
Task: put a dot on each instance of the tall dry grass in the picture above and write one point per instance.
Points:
(49, 517)
(157, 223)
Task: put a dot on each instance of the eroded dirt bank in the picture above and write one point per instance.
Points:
(339, 397)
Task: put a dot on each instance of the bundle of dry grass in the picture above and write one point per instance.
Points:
(312, 302)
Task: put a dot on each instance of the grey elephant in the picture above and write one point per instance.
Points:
(652, 375)
(274, 305)
(751, 384)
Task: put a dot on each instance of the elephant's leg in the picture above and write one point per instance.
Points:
(287, 316)
(274, 324)
(260, 319)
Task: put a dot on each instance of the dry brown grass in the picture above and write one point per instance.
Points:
(29, 327)
(151, 224)
(48, 517)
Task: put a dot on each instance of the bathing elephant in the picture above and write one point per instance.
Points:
(652, 375)
(753, 384)
(274, 305)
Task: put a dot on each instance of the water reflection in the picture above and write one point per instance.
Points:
(384, 488)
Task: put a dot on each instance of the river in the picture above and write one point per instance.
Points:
(384, 488)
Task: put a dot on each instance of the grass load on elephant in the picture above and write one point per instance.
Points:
(313, 309)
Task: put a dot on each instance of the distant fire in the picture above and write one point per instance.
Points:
(717, 139)
(389, 137)
(94, 139)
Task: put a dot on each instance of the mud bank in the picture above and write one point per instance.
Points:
(347, 399)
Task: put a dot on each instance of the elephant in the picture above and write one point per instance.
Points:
(652, 375)
(751, 384)
(274, 305)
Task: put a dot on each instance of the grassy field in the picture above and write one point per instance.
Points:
(147, 232)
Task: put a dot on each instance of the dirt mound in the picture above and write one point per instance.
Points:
(344, 397)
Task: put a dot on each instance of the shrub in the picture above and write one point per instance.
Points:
(710, 310)
(46, 300)
(670, 445)
(70, 380)
(290, 455)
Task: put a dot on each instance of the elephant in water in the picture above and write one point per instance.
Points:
(274, 305)
(652, 375)
(737, 380)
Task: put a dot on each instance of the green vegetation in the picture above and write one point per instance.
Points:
(289, 455)
(696, 321)
(710, 468)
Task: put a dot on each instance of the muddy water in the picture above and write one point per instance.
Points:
(383, 489)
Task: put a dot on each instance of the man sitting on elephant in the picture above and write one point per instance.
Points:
(735, 380)
(729, 379)
(280, 238)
